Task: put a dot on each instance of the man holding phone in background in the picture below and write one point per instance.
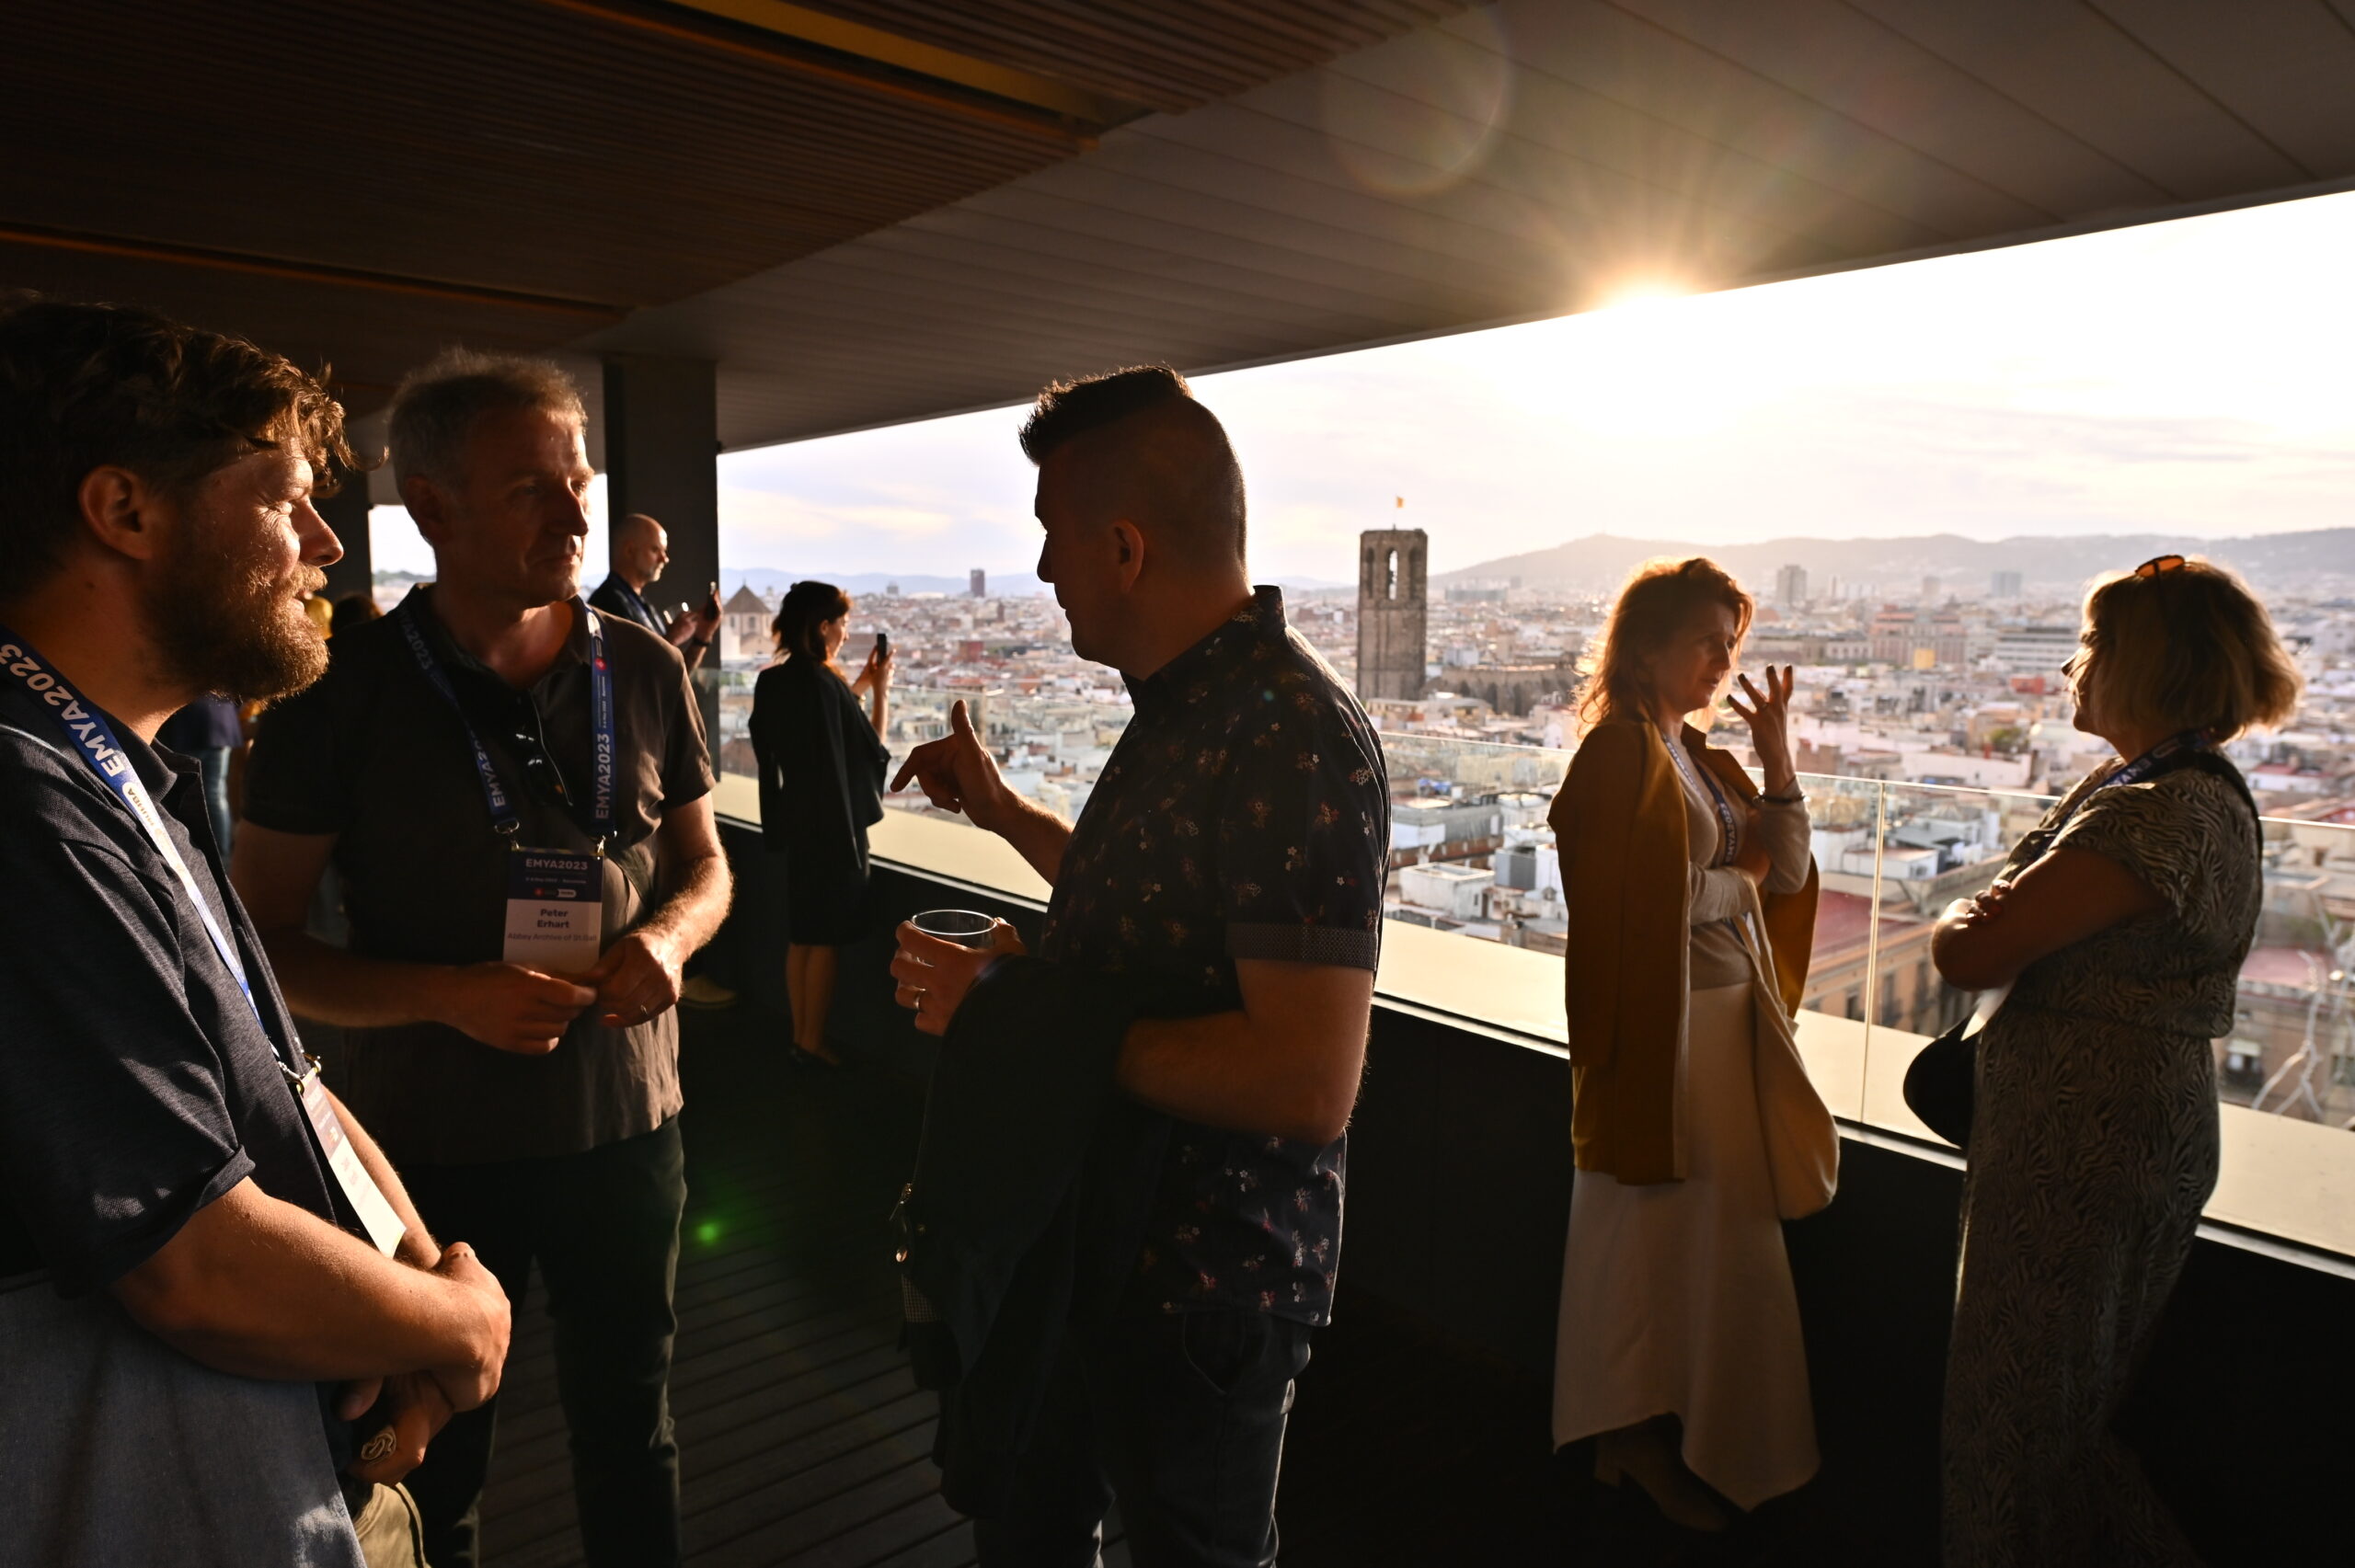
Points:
(641, 549)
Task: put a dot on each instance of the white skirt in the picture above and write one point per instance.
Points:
(1677, 1296)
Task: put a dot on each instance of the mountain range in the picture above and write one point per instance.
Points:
(774, 581)
(2304, 562)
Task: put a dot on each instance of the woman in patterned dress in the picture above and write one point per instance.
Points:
(1678, 1348)
(2121, 926)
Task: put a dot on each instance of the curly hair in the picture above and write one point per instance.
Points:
(1660, 599)
(88, 386)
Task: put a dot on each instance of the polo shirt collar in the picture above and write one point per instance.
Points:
(446, 648)
(1209, 664)
(159, 770)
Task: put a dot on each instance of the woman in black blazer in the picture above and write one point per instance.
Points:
(821, 761)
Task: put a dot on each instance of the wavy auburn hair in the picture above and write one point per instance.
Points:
(1660, 600)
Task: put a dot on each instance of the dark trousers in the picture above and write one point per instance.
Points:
(604, 1229)
(1181, 1417)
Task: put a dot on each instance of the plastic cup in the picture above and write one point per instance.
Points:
(967, 928)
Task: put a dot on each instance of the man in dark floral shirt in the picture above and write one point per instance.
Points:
(1235, 843)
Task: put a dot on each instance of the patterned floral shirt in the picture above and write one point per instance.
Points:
(1245, 814)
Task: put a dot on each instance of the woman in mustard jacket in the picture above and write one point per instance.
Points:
(1691, 897)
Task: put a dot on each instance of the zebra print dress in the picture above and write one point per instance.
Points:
(2093, 1150)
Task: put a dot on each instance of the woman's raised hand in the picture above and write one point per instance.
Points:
(1768, 714)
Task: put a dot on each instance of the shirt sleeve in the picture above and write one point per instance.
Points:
(294, 782)
(1714, 894)
(1304, 841)
(1785, 830)
(114, 1124)
(2160, 834)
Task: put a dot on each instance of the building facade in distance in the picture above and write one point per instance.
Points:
(1393, 612)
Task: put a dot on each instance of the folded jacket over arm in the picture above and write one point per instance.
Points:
(1028, 1206)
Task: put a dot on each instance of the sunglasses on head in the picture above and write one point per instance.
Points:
(2159, 564)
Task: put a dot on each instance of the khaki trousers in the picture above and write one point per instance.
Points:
(391, 1534)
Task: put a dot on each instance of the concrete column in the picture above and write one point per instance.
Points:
(347, 512)
(662, 458)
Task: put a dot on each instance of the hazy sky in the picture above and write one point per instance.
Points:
(2195, 376)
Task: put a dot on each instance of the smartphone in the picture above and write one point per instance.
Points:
(882, 645)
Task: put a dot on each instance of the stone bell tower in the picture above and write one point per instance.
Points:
(1391, 611)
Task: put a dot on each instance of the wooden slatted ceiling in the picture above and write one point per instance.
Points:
(1715, 141)
(508, 143)
(591, 156)
(1173, 57)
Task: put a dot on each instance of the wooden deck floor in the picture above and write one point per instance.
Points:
(804, 1441)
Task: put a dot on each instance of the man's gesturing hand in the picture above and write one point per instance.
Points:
(637, 979)
(511, 1007)
(958, 774)
(932, 976)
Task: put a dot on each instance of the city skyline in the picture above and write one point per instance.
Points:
(2177, 377)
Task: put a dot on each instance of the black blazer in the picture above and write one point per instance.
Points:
(821, 770)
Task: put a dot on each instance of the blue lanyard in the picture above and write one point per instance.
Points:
(2141, 768)
(601, 719)
(646, 615)
(94, 741)
(2154, 760)
(1728, 830)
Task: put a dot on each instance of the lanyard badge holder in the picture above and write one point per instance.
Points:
(94, 741)
(554, 897)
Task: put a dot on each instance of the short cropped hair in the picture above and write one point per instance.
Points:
(1660, 599)
(437, 406)
(88, 386)
(2186, 648)
(1173, 470)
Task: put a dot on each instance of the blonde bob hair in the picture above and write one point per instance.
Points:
(2183, 647)
(1660, 600)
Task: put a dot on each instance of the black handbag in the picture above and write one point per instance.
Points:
(1941, 1085)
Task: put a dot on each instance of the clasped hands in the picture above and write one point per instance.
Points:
(411, 1408)
(525, 1011)
(932, 976)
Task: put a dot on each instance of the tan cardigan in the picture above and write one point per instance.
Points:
(1620, 827)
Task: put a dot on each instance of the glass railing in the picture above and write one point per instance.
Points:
(1476, 926)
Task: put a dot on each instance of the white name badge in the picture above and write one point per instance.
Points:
(555, 909)
(383, 1226)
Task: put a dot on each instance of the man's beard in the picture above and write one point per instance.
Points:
(222, 624)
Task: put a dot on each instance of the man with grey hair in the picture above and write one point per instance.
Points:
(641, 549)
(516, 792)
